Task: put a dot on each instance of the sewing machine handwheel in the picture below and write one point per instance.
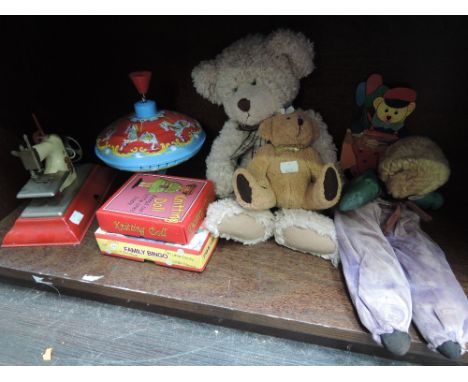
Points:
(74, 150)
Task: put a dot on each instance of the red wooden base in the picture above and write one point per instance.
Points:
(72, 226)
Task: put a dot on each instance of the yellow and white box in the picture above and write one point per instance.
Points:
(193, 256)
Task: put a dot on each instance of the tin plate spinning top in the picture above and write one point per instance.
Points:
(149, 139)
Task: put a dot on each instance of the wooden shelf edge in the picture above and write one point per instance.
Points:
(299, 331)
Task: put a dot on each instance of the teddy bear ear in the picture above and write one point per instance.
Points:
(204, 77)
(298, 49)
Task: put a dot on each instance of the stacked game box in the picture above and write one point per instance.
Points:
(158, 218)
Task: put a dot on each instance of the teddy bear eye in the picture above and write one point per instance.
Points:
(396, 113)
(254, 82)
(386, 110)
(235, 89)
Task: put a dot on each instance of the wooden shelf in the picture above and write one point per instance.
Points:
(264, 288)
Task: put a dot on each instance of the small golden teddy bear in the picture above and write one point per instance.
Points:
(287, 172)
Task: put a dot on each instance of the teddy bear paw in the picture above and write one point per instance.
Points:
(244, 189)
(252, 194)
(325, 192)
(331, 184)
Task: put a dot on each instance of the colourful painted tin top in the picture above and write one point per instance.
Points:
(162, 140)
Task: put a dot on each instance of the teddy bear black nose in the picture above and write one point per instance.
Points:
(300, 121)
(244, 104)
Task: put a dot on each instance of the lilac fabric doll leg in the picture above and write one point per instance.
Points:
(440, 306)
(376, 282)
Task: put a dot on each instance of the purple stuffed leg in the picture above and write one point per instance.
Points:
(375, 279)
(440, 306)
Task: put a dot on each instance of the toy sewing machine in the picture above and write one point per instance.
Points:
(63, 198)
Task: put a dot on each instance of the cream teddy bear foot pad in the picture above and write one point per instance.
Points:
(242, 228)
(308, 241)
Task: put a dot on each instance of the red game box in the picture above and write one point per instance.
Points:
(158, 207)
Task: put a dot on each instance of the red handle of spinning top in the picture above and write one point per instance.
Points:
(141, 81)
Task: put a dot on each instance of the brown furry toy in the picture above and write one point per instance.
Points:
(287, 172)
(413, 166)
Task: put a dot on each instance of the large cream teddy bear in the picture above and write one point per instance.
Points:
(254, 79)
